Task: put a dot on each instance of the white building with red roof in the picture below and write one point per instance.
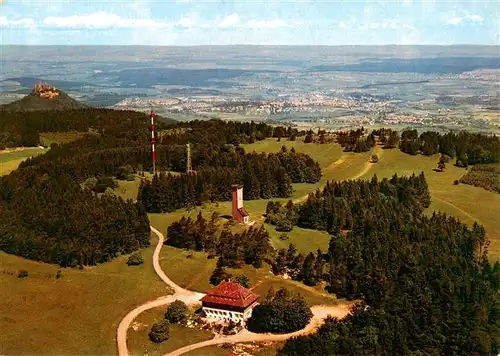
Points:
(229, 301)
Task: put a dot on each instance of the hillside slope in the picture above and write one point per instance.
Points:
(44, 97)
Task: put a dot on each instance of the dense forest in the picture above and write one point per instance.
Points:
(262, 175)
(385, 252)
(467, 148)
(414, 274)
(51, 207)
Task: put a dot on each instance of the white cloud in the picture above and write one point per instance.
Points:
(5, 22)
(229, 21)
(269, 24)
(186, 22)
(104, 20)
(393, 25)
(100, 20)
(407, 3)
(457, 20)
(342, 24)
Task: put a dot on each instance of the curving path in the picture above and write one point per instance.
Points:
(192, 298)
(366, 168)
(319, 314)
(188, 297)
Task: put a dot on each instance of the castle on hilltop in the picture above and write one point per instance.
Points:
(43, 90)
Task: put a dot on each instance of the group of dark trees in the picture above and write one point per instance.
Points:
(51, 218)
(388, 137)
(334, 208)
(233, 249)
(466, 147)
(280, 312)
(262, 176)
(177, 313)
(486, 176)
(354, 140)
(49, 215)
(309, 269)
(385, 252)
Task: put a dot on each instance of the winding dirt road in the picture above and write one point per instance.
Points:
(192, 298)
(319, 314)
(366, 168)
(188, 297)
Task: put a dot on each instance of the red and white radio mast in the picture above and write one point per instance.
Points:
(153, 152)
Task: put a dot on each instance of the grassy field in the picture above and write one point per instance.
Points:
(9, 161)
(76, 314)
(463, 201)
(192, 270)
(139, 343)
(47, 138)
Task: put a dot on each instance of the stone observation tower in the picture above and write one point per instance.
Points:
(239, 212)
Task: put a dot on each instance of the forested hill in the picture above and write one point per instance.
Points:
(44, 97)
(22, 128)
(48, 215)
(425, 284)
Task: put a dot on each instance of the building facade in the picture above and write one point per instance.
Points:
(239, 212)
(229, 302)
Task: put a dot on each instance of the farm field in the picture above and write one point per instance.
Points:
(76, 314)
(9, 161)
(180, 336)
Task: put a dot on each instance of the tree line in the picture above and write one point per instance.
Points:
(334, 208)
(466, 147)
(262, 176)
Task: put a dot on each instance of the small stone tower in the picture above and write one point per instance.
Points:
(239, 212)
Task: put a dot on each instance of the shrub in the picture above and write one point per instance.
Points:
(125, 172)
(58, 274)
(284, 236)
(374, 158)
(159, 331)
(284, 225)
(243, 280)
(177, 312)
(281, 312)
(22, 274)
(135, 259)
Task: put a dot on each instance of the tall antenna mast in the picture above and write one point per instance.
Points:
(153, 152)
(188, 164)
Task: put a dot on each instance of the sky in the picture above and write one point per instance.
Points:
(269, 22)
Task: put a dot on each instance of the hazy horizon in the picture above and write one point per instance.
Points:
(228, 22)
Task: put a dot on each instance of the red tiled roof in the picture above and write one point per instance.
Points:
(229, 293)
